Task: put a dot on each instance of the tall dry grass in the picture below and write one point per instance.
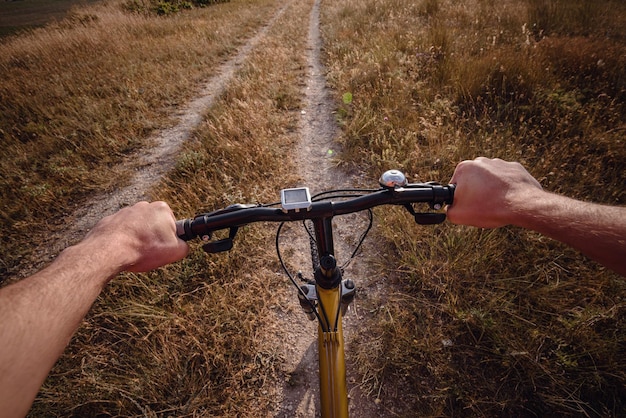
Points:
(502, 322)
(78, 97)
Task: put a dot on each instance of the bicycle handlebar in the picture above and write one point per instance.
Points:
(234, 216)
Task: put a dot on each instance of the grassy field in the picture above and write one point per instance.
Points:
(504, 322)
(480, 322)
(69, 115)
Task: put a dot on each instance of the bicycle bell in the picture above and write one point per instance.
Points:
(392, 179)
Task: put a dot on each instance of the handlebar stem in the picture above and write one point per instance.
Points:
(324, 236)
(327, 275)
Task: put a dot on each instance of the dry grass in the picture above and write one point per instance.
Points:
(489, 323)
(79, 96)
(481, 323)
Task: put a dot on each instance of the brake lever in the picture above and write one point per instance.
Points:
(430, 218)
(225, 244)
(221, 245)
(425, 218)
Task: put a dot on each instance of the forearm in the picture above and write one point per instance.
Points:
(597, 231)
(492, 193)
(39, 316)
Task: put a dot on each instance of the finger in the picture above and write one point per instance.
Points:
(458, 171)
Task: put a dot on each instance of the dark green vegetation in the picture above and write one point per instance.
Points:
(20, 15)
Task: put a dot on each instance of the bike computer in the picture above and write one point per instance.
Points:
(295, 199)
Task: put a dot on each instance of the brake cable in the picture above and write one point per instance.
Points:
(370, 216)
(293, 281)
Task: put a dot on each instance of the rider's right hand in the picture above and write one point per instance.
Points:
(490, 192)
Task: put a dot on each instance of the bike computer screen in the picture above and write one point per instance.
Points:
(295, 199)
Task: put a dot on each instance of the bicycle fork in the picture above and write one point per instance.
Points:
(330, 296)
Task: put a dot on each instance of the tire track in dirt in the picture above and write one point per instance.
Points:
(315, 159)
(149, 164)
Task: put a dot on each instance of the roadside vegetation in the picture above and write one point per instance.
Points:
(478, 323)
(79, 96)
(503, 322)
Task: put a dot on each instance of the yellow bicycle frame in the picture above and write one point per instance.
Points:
(332, 365)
